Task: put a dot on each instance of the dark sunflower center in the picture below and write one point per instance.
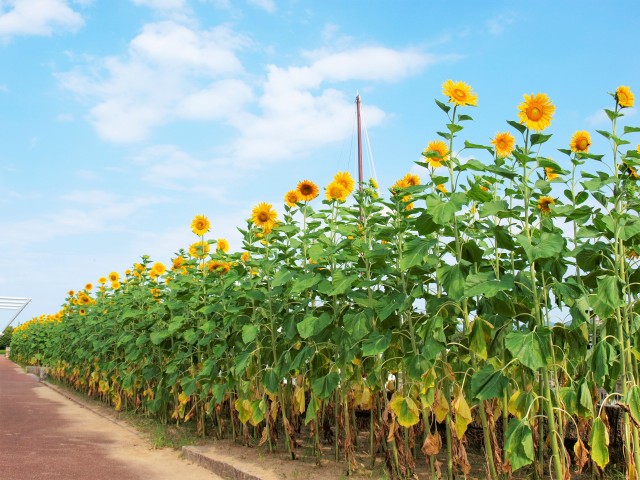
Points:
(306, 189)
(263, 216)
(534, 113)
(583, 144)
(459, 94)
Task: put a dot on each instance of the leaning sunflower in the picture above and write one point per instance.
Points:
(459, 93)
(292, 197)
(440, 149)
(624, 96)
(336, 191)
(411, 179)
(308, 190)
(580, 142)
(200, 225)
(536, 111)
(223, 245)
(264, 216)
(544, 204)
(199, 249)
(550, 173)
(503, 143)
(346, 180)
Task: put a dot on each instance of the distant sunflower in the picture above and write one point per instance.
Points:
(292, 197)
(308, 190)
(442, 188)
(442, 151)
(264, 216)
(114, 277)
(346, 180)
(200, 225)
(336, 191)
(580, 142)
(177, 262)
(158, 268)
(102, 280)
(624, 96)
(82, 312)
(88, 287)
(504, 143)
(536, 111)
(550, 173)
(459, 93)
(71, 293)
(374, 184)
(411, 179)
(544, 204)
(115, 285)
(222, 245)
(218, 266)
(245, 257)
(199, 249)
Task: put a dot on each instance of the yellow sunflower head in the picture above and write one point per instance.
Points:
(503, 143)
(580, 142)
(544, 204)
(442, 188)
(200, 225)
(411, 179)
(114, 277)
(115, 285)
(624, 96)
(158, 269)
(442, 151)
(102, 280)
(336, 191)
(400, 185)
(88, 287)
(264, 216)
(459, 93)
(245, 257)
(82, 312)
(292, 197)
(374, 184)
(346, 180)
(550, 173)
(307, 190)
(199, 249)
(536, 111)
(177, 262)
(222, 245)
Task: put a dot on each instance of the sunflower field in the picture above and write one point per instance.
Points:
(501, 294)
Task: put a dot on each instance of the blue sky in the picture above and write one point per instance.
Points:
(122, 119)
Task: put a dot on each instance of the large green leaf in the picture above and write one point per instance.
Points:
(376, 344)
(518, 445)
(341, 282)
(632, 401)
(452, 278)
(443, 212)
(488, 383)
(485, 283)
(405, 409)
(357, 325)
(249, 333)
(281, 277)
(312, 326)
(599, 442)
(312, 410)
(493, 208)
(530, 348)
(323, 387)
(304, 282)
(414, 252)
(607, 298)
(549, 245)
(480, 337)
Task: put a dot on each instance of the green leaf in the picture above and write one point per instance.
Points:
(539, 138)
(341, 282)
(443, 107)
(305, 282)
(452, 279)
(488, 383)
(357, 325)
(478, 194)
(405, 409)
(443, 212)
(249, 333)
(312, 326)
(323, 387)
(493, 208)
(607, 298)
(312, 410)
(599, 442)
(518, 126)
(389, 304)
(632, 402)
(281, 277)
(549, 245)
(602, 360)
(531, 348)
(376, 344)
(477, 146)
(485, 283)
(518, 444)
(414, 252)
(480, 337)
(628, 129)
(271, 381)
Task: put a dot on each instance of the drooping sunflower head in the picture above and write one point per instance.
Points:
(245, 257)
(264, 216)
(218, 266)
(177, 262)
(631, 171)
(442, 188)
(436, 153)
(580, 142)
(346, 180)
(374, 184)
(550, 173)
(222, 245)
(503, 143)
(292, 197)
(536, 111)
(200, 225)
(307, 190)
(411, 179)
(114, 277)
(459, 93)
(158, 269)
(336, 191)
(199, 249)
(544, 204)
(400, 185)
(624, 96)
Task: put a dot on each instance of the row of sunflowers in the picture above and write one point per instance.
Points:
(500, 294)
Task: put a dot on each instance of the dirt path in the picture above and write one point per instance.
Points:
(44, 435)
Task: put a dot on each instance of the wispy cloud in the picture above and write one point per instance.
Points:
(161, 4)
(37, 17)
(497, 25)
(266, 5)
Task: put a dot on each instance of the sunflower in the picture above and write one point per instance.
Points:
(544, 202)
(292, 197)
(439, 147)
(336, 191)
(632, 254)
(115, 285)
(88, 287)
(624, 96)
(504, 143)
(177, 262)
(158, 269)
(223, 245)
(411, 179)
(307, 190)
(442, 188)
(264, 216)
(459, 93)
(114, 277)
(127, 272)
(102, 280)
(200, 225)
(550, 173)
(631, 171)
(346, 180)
(218, 266)
(580, 142)
(536, 111)
(82, 312)
(71, 293)
(245, 257)
(374, 184)
(199, 249)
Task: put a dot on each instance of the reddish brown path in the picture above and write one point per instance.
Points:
(46, 436)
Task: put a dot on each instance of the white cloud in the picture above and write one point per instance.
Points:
(266, 5)
(161, 4)
(37, 17)
(497, 25)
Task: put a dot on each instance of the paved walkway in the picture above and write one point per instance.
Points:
(46, 436)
